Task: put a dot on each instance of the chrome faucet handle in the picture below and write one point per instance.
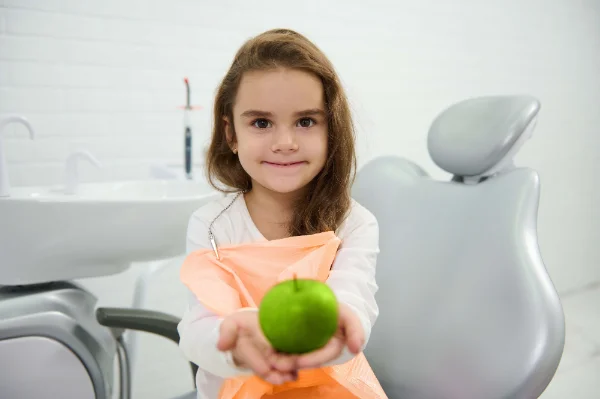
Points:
(4, 181)
(71, 170)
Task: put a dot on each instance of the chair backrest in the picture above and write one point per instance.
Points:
(467, 309)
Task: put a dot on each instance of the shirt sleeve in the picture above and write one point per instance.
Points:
(352, 277)
(199, 327)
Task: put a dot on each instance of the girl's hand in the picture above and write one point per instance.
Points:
(241, 334)
(350, 333)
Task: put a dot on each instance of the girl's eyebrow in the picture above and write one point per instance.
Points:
(256, 113)
(313, 111)
(265, 114)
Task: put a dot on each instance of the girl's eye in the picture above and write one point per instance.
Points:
(306, 122)
(261, 123)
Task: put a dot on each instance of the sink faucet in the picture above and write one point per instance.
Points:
(71, 172)
(4, 182)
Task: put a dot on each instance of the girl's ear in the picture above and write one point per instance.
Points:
(229, 136)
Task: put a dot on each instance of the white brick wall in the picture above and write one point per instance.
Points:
(108, 75)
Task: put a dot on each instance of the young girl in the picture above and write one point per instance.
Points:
(283, 151)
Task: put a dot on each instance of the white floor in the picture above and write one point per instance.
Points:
(578, 375)
(161, 372)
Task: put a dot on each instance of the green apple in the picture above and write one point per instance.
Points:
(299, 315)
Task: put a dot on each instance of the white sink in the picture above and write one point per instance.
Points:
(47, 235)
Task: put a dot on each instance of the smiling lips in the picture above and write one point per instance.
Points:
(284, 165)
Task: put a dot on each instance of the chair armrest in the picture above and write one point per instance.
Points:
(150, 321)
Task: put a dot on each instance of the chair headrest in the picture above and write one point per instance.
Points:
(479, 137)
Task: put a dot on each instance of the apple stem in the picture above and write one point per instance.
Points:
(295, 282)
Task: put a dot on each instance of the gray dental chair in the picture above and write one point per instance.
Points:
(467, 309)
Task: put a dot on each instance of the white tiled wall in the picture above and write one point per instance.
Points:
(108, 75)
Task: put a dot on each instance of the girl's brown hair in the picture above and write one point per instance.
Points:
(328, 198)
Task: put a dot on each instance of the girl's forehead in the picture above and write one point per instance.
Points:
(279, 91)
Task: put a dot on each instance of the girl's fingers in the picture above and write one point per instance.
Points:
(352, 328)
(282, 362)
(228, 335)
(253, 357)
(321, 356)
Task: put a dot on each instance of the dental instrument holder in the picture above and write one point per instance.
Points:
(188, 146)
(4, 180)
(188, 133)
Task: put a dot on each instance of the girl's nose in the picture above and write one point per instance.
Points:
(284, 141)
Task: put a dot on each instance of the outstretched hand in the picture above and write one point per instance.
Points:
(350, 333)
(241, 334)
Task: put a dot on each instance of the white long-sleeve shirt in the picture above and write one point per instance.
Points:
(352, 279)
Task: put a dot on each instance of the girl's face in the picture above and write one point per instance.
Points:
(281, 128)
